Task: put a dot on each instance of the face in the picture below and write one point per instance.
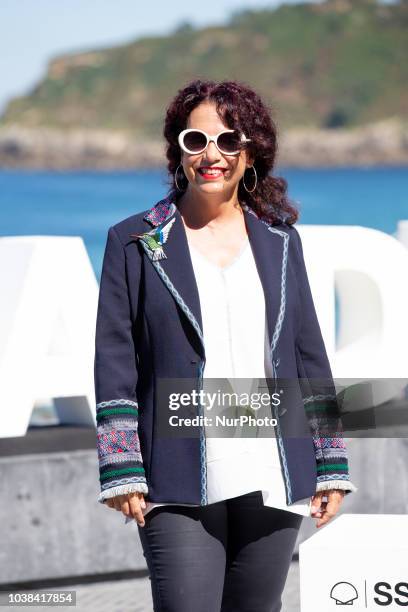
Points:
(205, 117)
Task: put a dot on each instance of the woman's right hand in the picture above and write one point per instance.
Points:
(130, 505)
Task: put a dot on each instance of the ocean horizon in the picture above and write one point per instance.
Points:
(87, 203)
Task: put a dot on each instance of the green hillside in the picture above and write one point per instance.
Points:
(341, 63)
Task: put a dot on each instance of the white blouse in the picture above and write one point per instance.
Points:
(237, 348)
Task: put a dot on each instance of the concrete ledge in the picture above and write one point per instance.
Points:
(49, 439)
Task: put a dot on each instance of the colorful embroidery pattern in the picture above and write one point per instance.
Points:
(118, 441)
(160, 211)
(323, 415)
(120, 460)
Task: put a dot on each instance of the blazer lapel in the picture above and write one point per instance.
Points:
(179, 269)
(176, 269)
(269, 246)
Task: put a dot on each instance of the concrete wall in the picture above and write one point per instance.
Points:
(52, 524)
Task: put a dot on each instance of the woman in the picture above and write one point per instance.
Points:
(211, 280)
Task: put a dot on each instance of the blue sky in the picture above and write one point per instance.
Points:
(33, 31)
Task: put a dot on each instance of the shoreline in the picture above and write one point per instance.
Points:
(382, 143)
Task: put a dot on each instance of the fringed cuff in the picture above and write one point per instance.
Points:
(121, 468)
(139, 487)
(344, 485)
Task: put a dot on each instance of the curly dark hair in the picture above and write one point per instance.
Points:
(241, 108)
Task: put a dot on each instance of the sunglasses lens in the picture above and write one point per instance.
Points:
(229, 142)
(194, 141)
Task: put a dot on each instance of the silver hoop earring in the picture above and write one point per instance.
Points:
(256, 180)
(175, 179)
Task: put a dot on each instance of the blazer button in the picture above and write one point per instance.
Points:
(193, 361)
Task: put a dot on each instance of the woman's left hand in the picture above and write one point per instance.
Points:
(326, 510)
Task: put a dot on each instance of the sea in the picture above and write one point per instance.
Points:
(87, 203)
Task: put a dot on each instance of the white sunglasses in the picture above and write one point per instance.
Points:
(195, 141)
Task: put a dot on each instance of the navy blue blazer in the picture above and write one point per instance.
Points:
(149, 328)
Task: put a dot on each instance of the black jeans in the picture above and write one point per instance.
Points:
(231, 556)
